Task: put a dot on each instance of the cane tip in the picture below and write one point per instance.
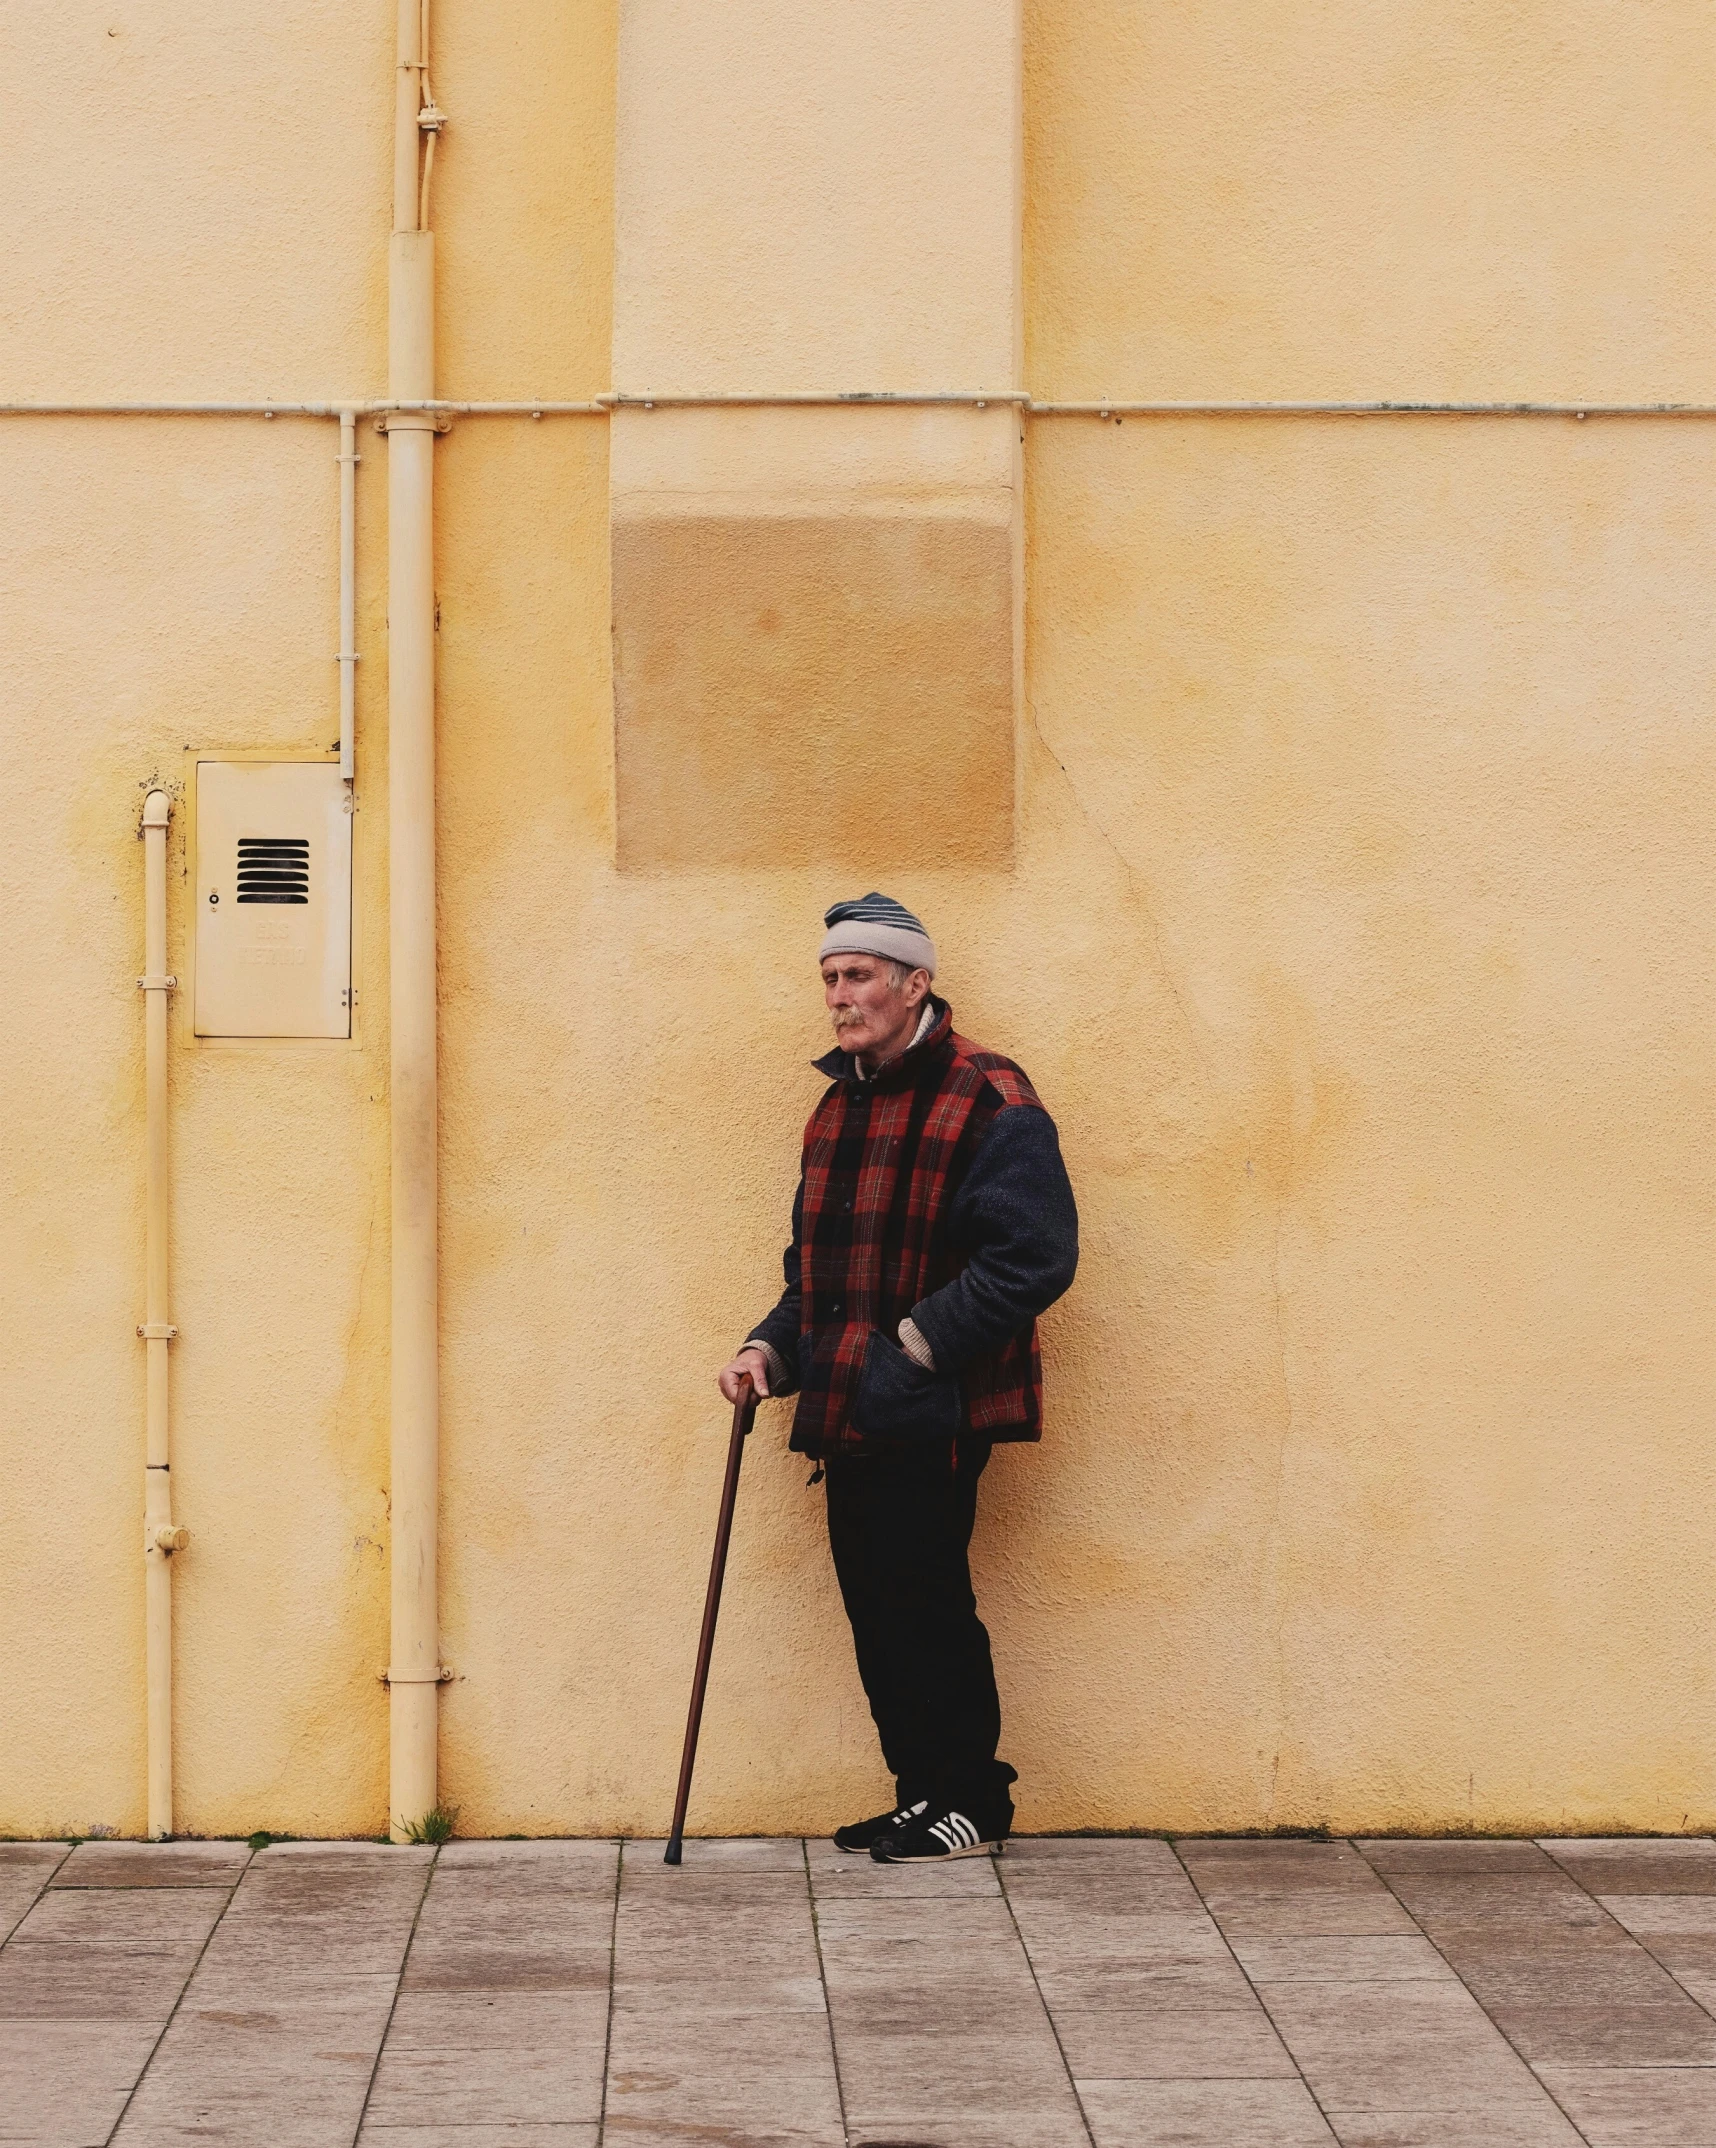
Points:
(672, 1854)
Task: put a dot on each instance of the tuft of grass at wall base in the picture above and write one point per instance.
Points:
(436, 1825)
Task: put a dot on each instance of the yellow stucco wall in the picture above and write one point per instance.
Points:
(1355, 928)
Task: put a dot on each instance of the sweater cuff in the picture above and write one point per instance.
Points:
(772, 1359)
(913, 1344)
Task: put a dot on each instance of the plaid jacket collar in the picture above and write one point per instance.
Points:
(927, 1055)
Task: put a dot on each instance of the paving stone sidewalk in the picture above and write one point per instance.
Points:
(773, 1994)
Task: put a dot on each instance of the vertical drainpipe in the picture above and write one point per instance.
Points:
(349, 459)
(414, 1668)
(160, 1538)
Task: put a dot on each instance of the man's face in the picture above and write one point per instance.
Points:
(872, 1016)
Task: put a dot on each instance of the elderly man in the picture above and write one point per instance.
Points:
(933, 1224)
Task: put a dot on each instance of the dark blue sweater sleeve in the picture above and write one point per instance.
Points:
(1015, 1221)
(779, 1328)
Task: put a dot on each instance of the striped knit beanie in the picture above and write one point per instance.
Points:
(877, 925)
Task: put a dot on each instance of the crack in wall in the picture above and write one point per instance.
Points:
(1135, 884)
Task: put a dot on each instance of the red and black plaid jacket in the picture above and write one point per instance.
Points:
(915, 1198)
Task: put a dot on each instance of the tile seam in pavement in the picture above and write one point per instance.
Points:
(5, 1937)
(1638, 1939)
(1048, 2011)
(1579, 2065)
(173, 2010)
(1454, 1969)
(1268, 2014)
(827, 2000)
(393, 2003)
(613, 1972)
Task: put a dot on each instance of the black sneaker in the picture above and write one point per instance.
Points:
(927, 1835)
(864, 1835)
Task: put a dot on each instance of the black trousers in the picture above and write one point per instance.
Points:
(899, 1525)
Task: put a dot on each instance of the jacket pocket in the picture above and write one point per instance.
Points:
(897, 1399)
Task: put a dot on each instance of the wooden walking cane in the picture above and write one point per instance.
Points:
(744, 1414)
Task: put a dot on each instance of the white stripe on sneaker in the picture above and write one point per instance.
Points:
(955, 1833)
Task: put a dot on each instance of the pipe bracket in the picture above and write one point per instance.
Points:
(157, 984)
(436, 1677)
(413, 421)
(156, 1330)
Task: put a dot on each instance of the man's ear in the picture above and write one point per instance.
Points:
(918, 985)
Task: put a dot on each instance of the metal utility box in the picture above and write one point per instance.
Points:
(273, 899)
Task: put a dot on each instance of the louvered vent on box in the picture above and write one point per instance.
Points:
(273, 869)
(273, 881)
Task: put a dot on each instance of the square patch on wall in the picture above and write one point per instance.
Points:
(813, 689)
